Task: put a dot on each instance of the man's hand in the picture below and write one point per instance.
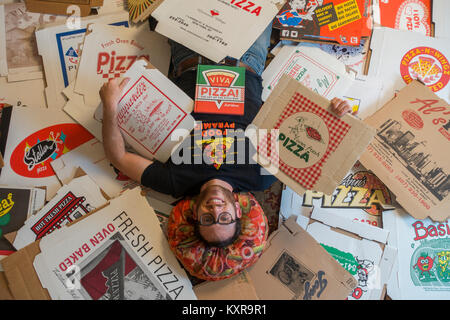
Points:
(340, 107)
(110, 94)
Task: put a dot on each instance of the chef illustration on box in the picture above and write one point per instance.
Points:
(217, 214)
(300, 10)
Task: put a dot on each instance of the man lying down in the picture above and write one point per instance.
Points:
(218, 229)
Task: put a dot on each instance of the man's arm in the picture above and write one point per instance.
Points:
(130, 164)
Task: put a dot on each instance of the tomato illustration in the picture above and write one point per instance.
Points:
(313, 133)
(424, 263)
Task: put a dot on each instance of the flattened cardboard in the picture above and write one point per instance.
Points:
(355, 206)
(153, 113)
(91, 158)
(115, 48)
(210, 27)
(340, 21)
(12, 93)
(66, 165)
(62, 7)
(19, 59)
(220, 90)
(364, 259)
(44, 135)
(422, 272)
(109, 228)
(72, 201)
(399, 57)
(440, 22)
(239, 287)
(330, 146)
(410, 15)
(295, 266)
(409, 151)
(5, 293)
(22, 279)
(310, 66)
(58, 45)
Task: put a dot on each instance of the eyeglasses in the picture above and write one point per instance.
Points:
(208, 219)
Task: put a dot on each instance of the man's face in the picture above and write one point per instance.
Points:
(216, 213)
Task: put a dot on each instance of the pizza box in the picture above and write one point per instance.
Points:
(300, 141)
(355, 206)
(63, 7)
(296, 267)
(210, 27)
(440, 18)
(399, 57)
(44, 136)
(28, 270)
(409, 152)
(368, 261)
(421, 271)
(410, 15)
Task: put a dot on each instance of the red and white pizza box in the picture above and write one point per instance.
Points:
(399, 57)
(31, 138)
(409, 15)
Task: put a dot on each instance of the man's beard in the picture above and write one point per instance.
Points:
(202, 196)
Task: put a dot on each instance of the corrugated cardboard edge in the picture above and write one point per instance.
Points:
(22, 279)
(239, 287)
(5, 293)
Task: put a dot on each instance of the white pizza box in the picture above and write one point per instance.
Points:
(440, 11)
(58, 45)
(296, 267)
(422, 271)
(209, 27)
(109, 51)
(44, 135)
(91, 158)
(355, 205)
(19, 60)
(368, 261)
(399, 57)
(120, 223)
(311, 66)
(74, 200)
(154, 115)
(13, 93)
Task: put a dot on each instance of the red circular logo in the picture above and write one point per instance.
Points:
(413, 119)
(31, 158)
(428, 65)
